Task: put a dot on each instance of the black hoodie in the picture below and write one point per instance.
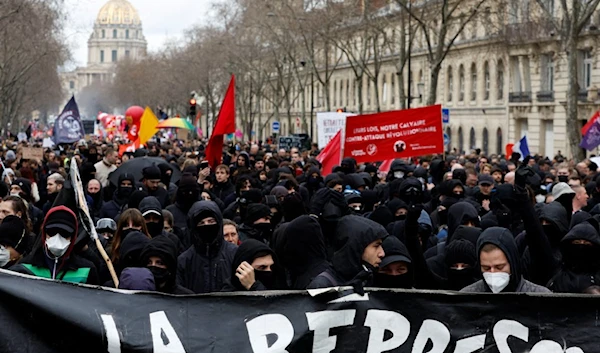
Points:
(504, 240)
(581, 263)
(167, 252)
(353, 235)
(304, 252)
(248, 251)
(149, 204)
(120, 198)
(204, 268)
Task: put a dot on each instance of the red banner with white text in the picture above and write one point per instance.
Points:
(395, 134)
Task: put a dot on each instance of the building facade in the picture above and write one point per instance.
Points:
(117, 35)
(505, 77)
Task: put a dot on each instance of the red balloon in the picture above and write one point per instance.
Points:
(133, 115)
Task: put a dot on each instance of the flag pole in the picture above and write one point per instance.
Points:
(87, 222)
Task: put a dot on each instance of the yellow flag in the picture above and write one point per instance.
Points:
(147, 126)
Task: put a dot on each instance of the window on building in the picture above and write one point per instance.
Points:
(486, 79)
(335, 85)
(461, 83)
(500, 80)
(114, 56)
(585, 60)
(114, 33)
(474, 24)
(127, 53)
(472, 139)
(515, 74)
(547, 73)
(103, 34)
(487, 18)
(499, 142)
(450, 84)
(71, 84)
(473, 82)
(384, 91)
(485, 141)
(461, 140)
(549, 6)
(393, 89)
(101, 56)
(347, 92)
(127, 34)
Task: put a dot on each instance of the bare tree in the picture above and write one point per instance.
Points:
(440, 22)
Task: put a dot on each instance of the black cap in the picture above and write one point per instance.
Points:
(24, 184)
(151, 172)
(61, 219)
(12, 233)
(255, 212)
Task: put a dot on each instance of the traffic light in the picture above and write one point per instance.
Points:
(192, 107)
(341, 110)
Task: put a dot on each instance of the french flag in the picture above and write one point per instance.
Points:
(521, 147)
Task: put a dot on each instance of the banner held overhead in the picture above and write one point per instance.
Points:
(395, 134)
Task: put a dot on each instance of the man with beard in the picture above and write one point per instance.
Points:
(94, 190)
(54, 184)
(187, 194)
(150, 180)
(206, 265)
(106, 166)
(257, 224)
(120, 198)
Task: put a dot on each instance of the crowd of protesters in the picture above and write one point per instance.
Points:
(267, 219)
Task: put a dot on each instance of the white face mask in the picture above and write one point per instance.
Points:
(57, 245)
(540, 198)
(497, 281)
(398, 175)
(4, 256)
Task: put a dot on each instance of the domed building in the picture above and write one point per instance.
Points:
(117, 35)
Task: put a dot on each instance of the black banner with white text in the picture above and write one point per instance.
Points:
(43, 316)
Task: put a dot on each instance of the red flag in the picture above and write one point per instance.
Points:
(330, 155)
(395, 134)
(225, 125)
(386, 165)
(509, 149)
(590, 123)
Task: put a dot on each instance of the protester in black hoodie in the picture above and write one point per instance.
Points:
(500, 265)
(360, 253)
(160, 257)
(120, 198)
(395, 270)
(580, 259)
(155, 222)
(188, 192)
(303, 252)
(150, 180)
(257, 224)
(206, 265)
(95, 191)
(253, 268)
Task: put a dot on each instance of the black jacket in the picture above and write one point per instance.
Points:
(222, 190)
(354, 233)
(151, 203)
(205, 268)
(161, 194)
(166, 250)
(248, 251)
(304, 253)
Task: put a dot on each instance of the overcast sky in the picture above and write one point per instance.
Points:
(162, 20)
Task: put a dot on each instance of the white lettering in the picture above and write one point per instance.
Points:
(270, 324)
(470, 344)
(320, 322)
(112, 334)
(164, 337)
(433, 331)
(381, 320)
(506, 328)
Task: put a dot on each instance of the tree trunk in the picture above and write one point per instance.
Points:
(377, 95)
(433, 83)
(360, 95)
(573, 125)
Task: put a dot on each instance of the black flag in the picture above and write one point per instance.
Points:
(68, 127)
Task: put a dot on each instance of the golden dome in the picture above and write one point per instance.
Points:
(118, 12)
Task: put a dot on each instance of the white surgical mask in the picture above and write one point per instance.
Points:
(540, 198)
(4, 256)
(398, 175)
(57, 245)
(497, 281)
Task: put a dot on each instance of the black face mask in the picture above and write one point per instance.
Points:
(124, 192)
(459, 195)
(276, 218)
(459, 279)
(563, 178)
(266, 230)
(187, 198)
(383, 280)
(313, 181)
(95, 197)
(206, 234)
(402, 217)
(581, 258)
(266, 278)
(161, 276)
(125, 232)
(552, 233)
(155, 228)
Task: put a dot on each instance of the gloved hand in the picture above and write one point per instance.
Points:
(522, 174)
(414, 212)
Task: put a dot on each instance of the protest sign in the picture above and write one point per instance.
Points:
(287, 142)
(395, 134)
(39, 315)
(328, 124)
(36, 153)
